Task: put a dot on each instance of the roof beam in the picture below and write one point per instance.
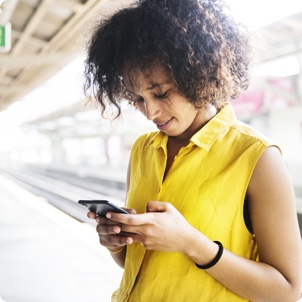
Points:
(21, 61)
(32, 25)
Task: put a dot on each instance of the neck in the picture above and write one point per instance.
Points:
(204, 116)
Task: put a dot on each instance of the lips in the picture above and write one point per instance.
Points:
(164, 126)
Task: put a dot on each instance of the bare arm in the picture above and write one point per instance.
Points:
(277, 277)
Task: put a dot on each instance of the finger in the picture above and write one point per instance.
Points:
(126, 234)
(135, 237)
(157, 206)
(105, 229)
(130, 211)
(128, 219)
(113, 240)
(105, 221)
(91, 215)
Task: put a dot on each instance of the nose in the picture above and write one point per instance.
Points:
(152, 109)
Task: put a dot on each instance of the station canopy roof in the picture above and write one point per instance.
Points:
(46, 35)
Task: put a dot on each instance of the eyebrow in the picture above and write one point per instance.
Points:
(155, 85)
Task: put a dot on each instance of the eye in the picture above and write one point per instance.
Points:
(162, 96)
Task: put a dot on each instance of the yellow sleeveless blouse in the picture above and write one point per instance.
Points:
(207, 183)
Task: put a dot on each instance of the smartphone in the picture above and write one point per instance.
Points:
(101, 207)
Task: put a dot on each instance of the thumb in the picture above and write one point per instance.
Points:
(156, 206)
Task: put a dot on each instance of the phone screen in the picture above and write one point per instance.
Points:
(101, 207)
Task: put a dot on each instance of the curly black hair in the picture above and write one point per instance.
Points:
(203, 49)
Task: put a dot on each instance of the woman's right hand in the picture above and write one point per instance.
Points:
(109, 231)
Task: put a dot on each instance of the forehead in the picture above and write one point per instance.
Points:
(138, 80)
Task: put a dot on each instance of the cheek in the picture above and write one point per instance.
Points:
(188, 115)
(185, 109)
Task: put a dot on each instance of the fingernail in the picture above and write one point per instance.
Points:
(116, 230)
(108, 215)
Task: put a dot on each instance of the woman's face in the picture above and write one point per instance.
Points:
(156, 97)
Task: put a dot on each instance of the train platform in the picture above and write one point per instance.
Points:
(48, 256)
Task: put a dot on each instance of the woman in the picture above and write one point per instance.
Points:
(212, 209)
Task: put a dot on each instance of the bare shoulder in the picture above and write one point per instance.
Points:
(270, 190)
(270, 170)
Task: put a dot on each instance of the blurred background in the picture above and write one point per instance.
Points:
(56, 149)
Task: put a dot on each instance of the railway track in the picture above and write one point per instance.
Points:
(63, 190)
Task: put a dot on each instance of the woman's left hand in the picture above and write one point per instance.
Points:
(162, 227)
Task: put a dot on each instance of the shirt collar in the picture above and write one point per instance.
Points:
(207, 135)
(158, 140)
